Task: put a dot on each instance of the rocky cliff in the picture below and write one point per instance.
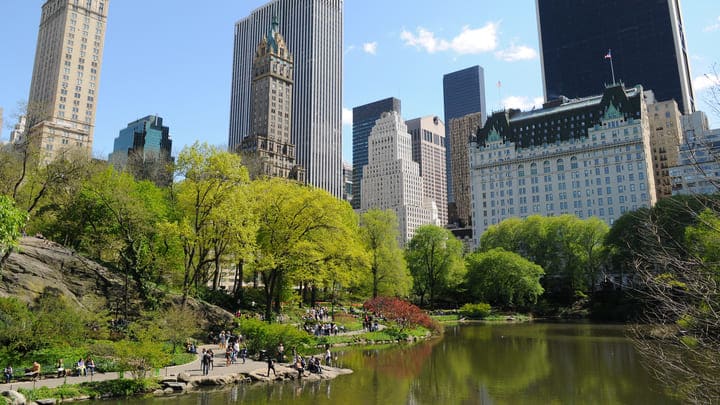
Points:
(40, 264)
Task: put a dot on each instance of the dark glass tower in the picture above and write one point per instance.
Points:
(364, 118)
(646, 38)
(463, 94)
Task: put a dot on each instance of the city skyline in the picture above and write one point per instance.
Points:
(388, 61)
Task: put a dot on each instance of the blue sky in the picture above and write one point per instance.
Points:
(173, 58)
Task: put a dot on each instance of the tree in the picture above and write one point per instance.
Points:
(503, 278)
(12, 221)
(304, 232)
(402, 313)
(388, 271)
(211, 178)
(434, 256)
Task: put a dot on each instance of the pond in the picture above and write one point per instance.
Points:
(531, 363)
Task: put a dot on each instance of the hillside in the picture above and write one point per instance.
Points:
(40, 264)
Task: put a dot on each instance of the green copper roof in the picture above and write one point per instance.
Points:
(271, 34)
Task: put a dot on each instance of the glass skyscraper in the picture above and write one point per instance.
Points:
(145, 139)
(313, 30)
(463, 94)
(364, 118)
(646, 39)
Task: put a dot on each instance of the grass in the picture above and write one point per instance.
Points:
(112, 388)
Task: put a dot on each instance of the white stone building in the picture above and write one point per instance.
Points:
(391, 180)
(589, 157)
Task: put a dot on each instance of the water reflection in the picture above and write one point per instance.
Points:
(479, 364)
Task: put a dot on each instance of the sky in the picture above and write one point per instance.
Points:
(174, 59)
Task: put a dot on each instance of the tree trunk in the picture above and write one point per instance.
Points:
(313, 295)
(237, 284)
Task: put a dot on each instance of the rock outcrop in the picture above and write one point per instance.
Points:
(41, 265)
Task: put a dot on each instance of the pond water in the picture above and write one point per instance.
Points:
(532, 363)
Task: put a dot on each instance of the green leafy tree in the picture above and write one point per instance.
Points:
(503, 278)
(12, 220)
(388, 270)
(303, 233)
(434, 256)
(211, 178)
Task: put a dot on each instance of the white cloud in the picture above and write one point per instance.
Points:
(370, 47)
(713, 27)
(523, 103)
(347, 116)
(469, 41)
(516, 53)
(706, 81)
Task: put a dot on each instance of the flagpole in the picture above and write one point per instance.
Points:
(612, 70)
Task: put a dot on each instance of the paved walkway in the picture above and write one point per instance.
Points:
(190, 368)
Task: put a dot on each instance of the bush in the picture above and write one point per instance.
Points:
(480, 310)
(402, 313)
(263, 336)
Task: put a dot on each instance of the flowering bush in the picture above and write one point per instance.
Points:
(402, 313)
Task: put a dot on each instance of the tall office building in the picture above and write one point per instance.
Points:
(144, 148)
(391, 180)
(428, 151)
(665, 140)
(646, 40)
(66, 75)
(271, 108)
(313, 30)
(364, 118)
(463, 94)
(588, 157)
(461, 130)
(698, 168)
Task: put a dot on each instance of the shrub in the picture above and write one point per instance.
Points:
(263, 336)
(402, 313)
(480, 310)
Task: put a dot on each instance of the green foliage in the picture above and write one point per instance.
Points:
(12, 220)
(110, 388)
(570, 250)
(434, 256)
(388, 271)
(262, 336)
(480, 310)
(140, 357)
(503, 278)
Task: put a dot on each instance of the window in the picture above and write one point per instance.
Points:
(573, 163)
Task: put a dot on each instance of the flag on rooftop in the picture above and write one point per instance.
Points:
(608, 55)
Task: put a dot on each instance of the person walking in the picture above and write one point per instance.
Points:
(204, 362)
(8, 373)
(271, 365)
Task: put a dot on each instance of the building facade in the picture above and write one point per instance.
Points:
(665, 139)
(646, 39)
(461, 130)
(66, 75)
(18, 132)
(698, 168)
(428, 150)
(144, 142)
(271, 109)
(313, 30)
(391, 180)
(463, 94)
(364, 118)
(589, 157)
(347, 182)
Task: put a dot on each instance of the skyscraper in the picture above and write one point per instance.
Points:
(391, 180)
(66, 76)
(271, 108)
(144, 148)
(461, 129)
(364, 118)
(665, 140)
(646, 40)
(463, 94)
(428, 151)
(313, 30)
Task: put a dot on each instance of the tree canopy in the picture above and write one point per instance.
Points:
(503, 278)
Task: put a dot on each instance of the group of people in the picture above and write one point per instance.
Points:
(81, 367)
(370, 324)
(318, 314)
(206, 361)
